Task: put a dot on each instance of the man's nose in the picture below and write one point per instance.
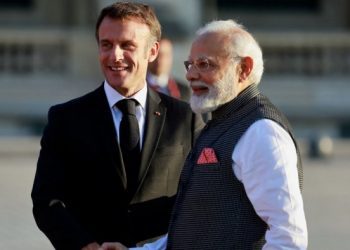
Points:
(192, 74)
(117, 53)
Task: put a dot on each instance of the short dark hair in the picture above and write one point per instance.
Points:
(127, 10)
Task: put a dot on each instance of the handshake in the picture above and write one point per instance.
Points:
(105, 246)
(112, 246)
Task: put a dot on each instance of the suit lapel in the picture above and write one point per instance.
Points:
(155, 117)
(103, 128)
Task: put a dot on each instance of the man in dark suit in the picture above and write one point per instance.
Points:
(159, 75)
(86, 191)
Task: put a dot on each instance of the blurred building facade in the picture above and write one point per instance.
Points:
(48, 54)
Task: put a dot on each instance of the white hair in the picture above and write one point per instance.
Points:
(243, 44)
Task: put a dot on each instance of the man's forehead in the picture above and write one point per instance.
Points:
(210, 44)
(127, 21)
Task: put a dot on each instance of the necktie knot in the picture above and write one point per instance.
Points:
(127, 106)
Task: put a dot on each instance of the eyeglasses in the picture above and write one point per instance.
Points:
(204, 64)
(201, 64)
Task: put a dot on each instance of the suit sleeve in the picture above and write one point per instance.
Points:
(49, 210)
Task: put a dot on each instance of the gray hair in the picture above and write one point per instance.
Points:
(243, 44)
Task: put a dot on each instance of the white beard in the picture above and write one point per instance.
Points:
(219, 93)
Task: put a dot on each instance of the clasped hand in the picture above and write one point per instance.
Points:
(105, 246)
(112, 246)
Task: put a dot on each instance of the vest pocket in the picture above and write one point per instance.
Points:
(207, 167)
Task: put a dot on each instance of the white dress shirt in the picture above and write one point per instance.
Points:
(265, 161)
(113, 97)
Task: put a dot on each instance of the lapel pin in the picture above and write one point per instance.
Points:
(157, 113)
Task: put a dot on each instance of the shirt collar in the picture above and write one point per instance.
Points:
(113, 96)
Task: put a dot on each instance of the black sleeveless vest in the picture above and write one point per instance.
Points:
(212, 210)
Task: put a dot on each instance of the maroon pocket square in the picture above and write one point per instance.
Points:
(207, 156)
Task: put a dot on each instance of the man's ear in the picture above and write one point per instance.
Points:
(153, 52)
(246, 67)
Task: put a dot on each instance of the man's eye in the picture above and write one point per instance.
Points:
(203, 64)
(129, 46)
(105, 45)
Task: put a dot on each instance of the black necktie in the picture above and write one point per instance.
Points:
(129, 139)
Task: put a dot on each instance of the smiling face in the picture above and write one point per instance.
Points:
(125, 49)
(217, 84)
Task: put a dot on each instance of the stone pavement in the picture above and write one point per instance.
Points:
(326, 197)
